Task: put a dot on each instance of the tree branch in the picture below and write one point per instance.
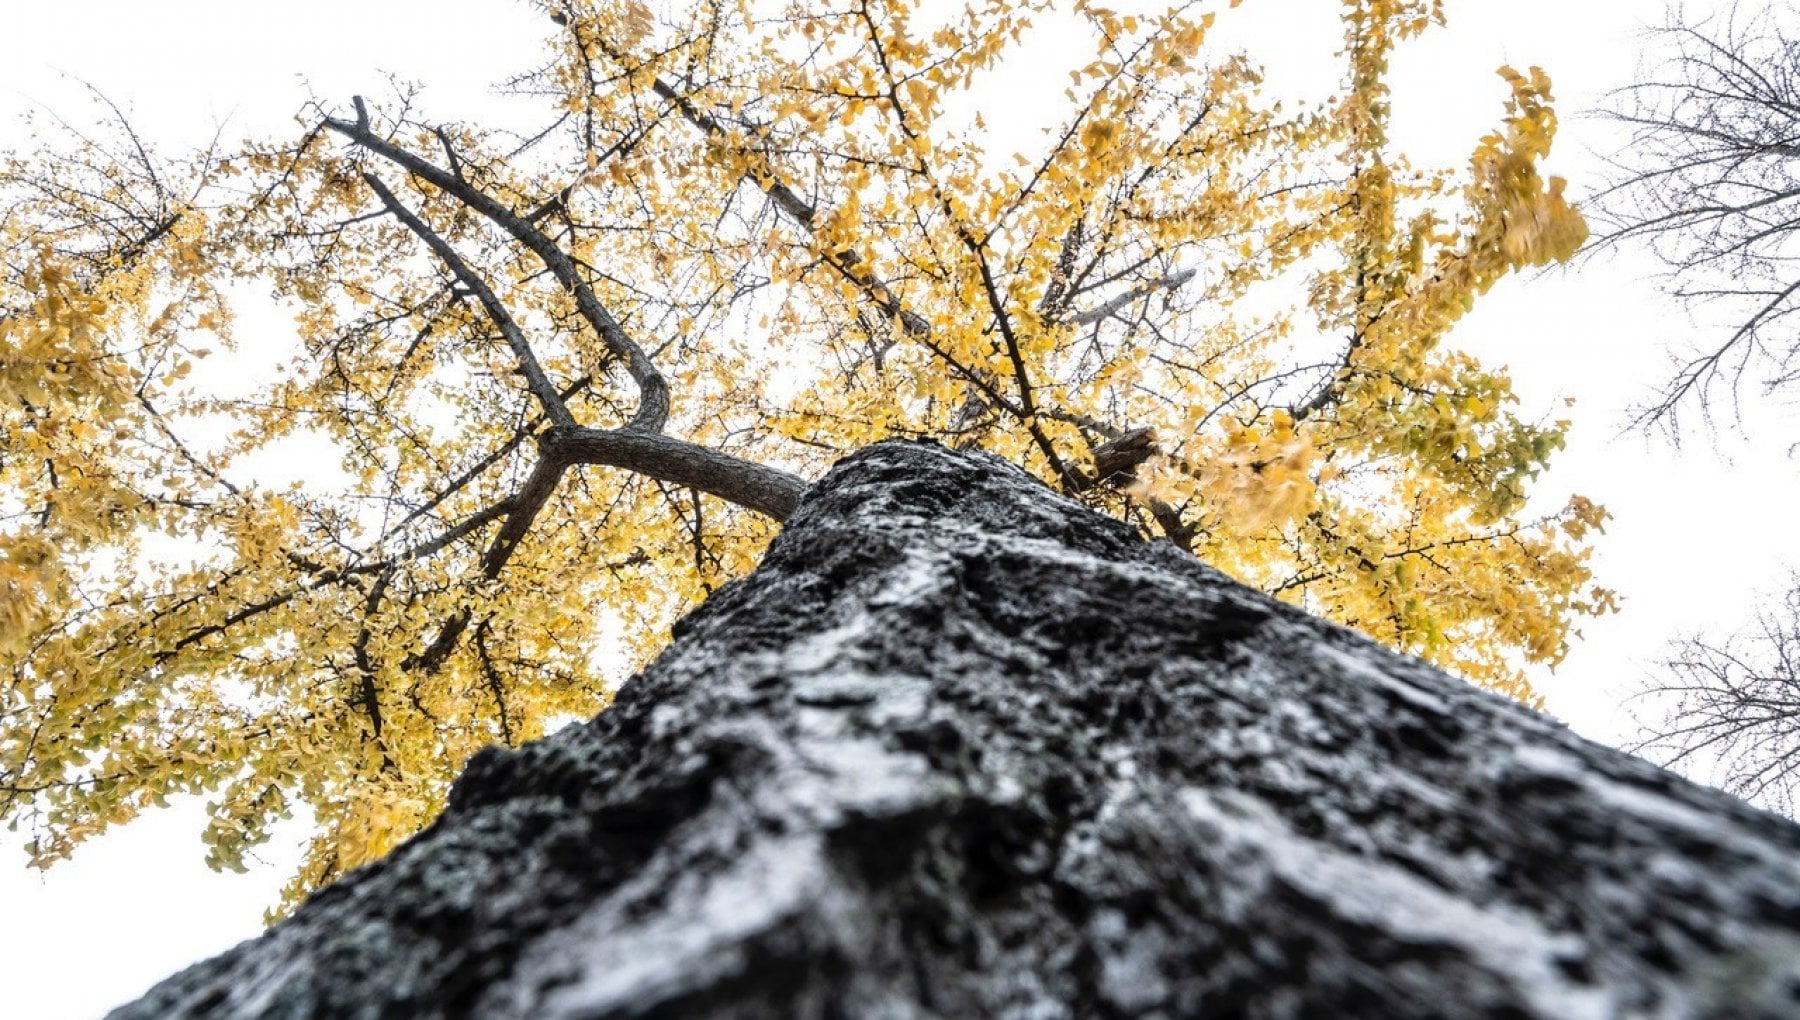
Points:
(1112, 305)
(769, 491)
(653, 391)
(535, 377)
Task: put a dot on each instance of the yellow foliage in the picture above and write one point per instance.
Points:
(820, 242)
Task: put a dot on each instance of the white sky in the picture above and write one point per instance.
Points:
(1696, 533)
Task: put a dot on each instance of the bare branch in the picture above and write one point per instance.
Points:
(1112, 306)
(535, 377)
(1733, 706)
(653, 391)
(1709, 183)
(769, 491)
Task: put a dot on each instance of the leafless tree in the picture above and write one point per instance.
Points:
(1735, 702)
(1709, 182)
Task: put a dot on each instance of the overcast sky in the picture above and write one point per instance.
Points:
(1695, 536)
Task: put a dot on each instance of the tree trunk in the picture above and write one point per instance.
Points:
(961, 748)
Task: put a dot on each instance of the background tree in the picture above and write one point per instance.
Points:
(1710, 183)
(738, 248)
(1736, 701)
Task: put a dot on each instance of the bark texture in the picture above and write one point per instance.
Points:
(960, 748)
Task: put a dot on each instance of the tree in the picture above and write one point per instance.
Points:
(743, 244)
(960, 747)
(1710, 183)
(1735, 702)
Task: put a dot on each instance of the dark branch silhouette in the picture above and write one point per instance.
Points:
(1709, 183)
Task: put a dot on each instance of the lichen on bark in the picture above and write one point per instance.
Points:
(960, 747)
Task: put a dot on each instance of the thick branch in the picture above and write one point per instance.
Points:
(521, 512)
(768, 491)
(765, 490)
(529, 367)
(653, 391)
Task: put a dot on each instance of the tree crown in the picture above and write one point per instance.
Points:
(569, 380)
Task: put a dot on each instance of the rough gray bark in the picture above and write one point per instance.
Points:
(960, 748)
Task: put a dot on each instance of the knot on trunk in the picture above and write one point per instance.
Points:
(555, 444)
(1117, 460)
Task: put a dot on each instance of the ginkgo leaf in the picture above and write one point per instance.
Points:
(452, 516)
